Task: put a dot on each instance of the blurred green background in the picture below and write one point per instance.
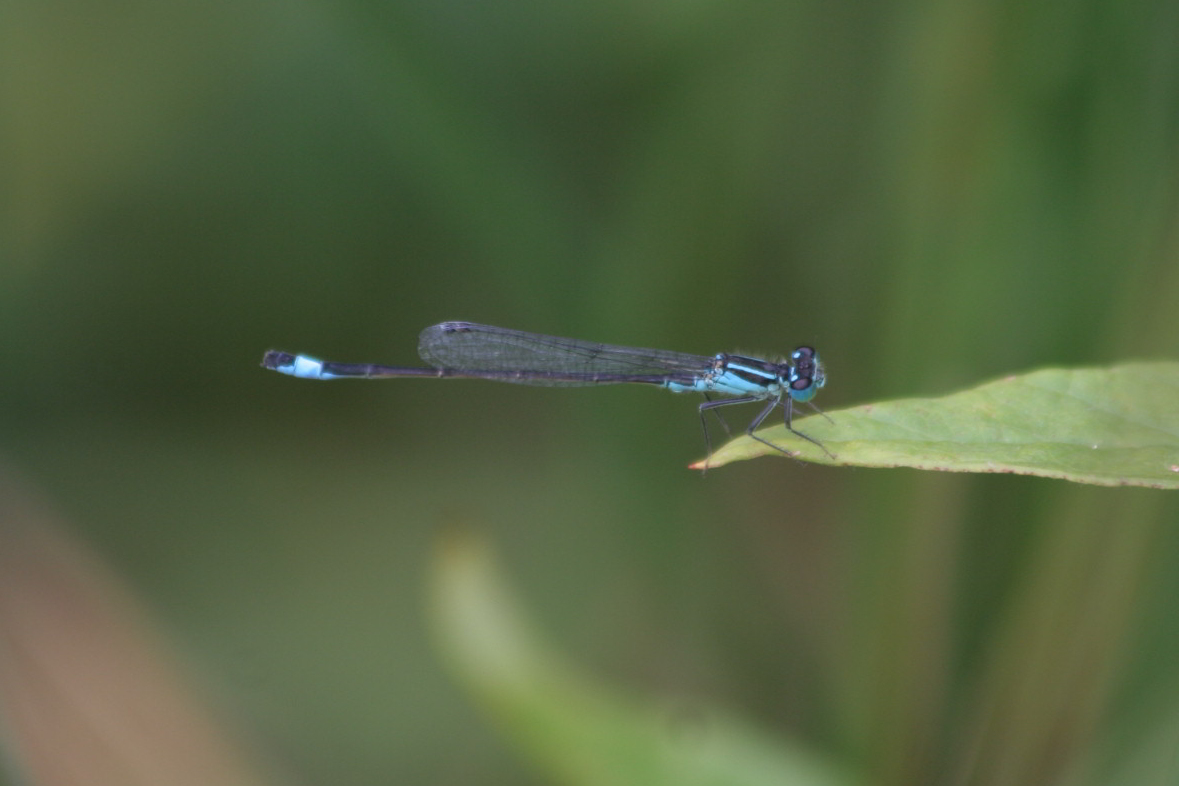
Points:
(932, 193)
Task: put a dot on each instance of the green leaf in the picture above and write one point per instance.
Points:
(581, 731)
(1115, 426)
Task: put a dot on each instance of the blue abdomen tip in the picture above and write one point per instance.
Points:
(306, 368)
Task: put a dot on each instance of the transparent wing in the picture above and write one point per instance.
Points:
(472, 347)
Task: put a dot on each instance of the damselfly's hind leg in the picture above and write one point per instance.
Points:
(709, 404)
(715, 411)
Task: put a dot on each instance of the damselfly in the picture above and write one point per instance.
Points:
(466, 350)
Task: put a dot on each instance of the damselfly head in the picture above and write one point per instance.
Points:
(808, 375)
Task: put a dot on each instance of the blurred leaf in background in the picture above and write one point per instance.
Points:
(931, 193)
(579, 730)
(89, 695)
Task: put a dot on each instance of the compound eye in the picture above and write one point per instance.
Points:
(802, 388)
